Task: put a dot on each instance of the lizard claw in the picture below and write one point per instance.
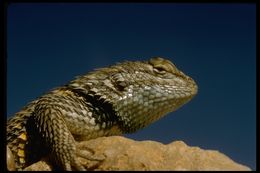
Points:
(88, 159)
(77, 165)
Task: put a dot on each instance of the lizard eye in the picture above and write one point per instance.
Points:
(160, 70)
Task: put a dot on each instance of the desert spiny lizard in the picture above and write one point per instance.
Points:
(108, 101)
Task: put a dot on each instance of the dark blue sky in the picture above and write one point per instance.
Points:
(49, 44)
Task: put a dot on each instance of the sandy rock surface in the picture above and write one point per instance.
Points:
(121, 153)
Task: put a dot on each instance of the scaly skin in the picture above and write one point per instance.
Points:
(119, 99)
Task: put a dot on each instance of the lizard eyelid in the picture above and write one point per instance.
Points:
(162, 66)
(160, 69)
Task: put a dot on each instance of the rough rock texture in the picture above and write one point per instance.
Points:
(10, 160)
(125, 154)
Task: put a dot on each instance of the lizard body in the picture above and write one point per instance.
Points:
(119, 99)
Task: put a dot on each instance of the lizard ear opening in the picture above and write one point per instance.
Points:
(119, 82)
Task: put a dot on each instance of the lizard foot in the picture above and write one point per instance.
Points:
(88, 158)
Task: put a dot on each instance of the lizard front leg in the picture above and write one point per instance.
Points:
(56, 135)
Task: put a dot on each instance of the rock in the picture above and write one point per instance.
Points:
(42, 165)
(10, 160)
(125, 154)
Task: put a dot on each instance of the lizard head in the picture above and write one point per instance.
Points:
(151, 89)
